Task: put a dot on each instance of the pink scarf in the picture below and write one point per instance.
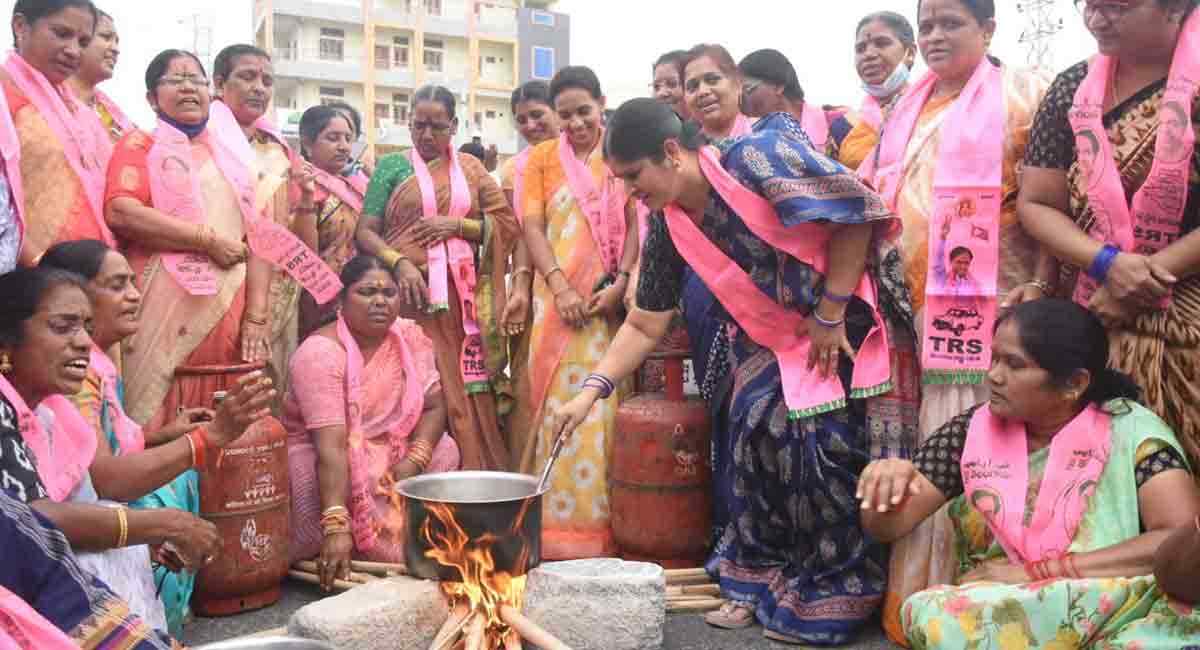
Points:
(519, 164)
(122, 122)
(763, 319)
(64, 458)
(815, 123)
(10, 151)
(175, 191)
(22, 628)
(454, 254)
(268, 239)
(350, 189)
(603, 205)
(871, 112)
(995, 472)
(1156, 217)
(362, 490)
(742, 126)
(86, 145)
(957, 324)
(127, 432)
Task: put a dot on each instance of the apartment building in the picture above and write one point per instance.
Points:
(373, 54)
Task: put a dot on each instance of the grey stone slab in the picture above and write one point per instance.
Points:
(381, 615)
(601, 604)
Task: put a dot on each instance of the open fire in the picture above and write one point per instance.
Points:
(485, 601)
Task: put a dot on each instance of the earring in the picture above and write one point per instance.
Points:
(5, 364)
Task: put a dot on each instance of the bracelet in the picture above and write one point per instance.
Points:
(199, 439)
(837, 297)
(205, 237)
(460, 227)
(1042, 285)
(122, 528)
(521, 270)
(624, 274)
(1074, 568)
(390, 257)
(334, 509)
(552, 271)
(249, 318)
(420, 453)
(600, 383)
(470, 229)
(1103, 262)
(192, 446)
(827, 323)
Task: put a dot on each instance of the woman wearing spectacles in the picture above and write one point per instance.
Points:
(1111, 187)
(423, 215)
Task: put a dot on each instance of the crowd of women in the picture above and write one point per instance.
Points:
(948, 339)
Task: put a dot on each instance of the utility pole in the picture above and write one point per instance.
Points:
(1042, 24)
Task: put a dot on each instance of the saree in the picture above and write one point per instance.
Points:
(792, 548)
(474, 419)
(508, 357)
(1090, 613)
(177, 328)
(1160, 349)
(576, 519)
(54, 585)
(339, 203)
(101, 403)
(921, 558)
(318, 398)
(62, 162)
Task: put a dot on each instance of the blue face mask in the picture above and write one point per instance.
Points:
(190, 130)
(893, 83)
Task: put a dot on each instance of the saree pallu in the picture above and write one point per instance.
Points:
(474, 420)
(183, 493)
(920, 559)
(336, 222)
(518, 424)
(56, 206)
(1159, 349)
(273, 165)
(177, 328)
(317, 400)
(52, 582)
(1062, 614)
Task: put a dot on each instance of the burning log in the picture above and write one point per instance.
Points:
(530, 631)
(452, 628)
(512, 641)
(475, 633)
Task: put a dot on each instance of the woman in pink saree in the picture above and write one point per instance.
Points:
(351, 440)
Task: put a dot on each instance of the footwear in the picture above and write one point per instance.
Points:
(731, 616)
(780, 637)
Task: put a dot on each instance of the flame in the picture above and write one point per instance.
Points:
(483, 588)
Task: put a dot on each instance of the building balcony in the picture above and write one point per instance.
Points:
(314, 65)
(497, 22)
(341, 11)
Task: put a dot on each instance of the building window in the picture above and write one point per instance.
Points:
(543, 18)
(400, 51)
(330, 94)
(400, 108)
(491, 115)
(543, 63)
(435, 54)
(333, 44)
(383, 57)
(433, 7)
(383, 113)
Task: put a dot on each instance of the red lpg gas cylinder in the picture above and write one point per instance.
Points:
(661, 477)
(244, 492)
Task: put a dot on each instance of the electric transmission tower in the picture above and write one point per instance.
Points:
(1042, 23)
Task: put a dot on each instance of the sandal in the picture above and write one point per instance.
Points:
(780, 637)
(731, 616)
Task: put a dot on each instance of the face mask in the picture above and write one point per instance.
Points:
(893, 83)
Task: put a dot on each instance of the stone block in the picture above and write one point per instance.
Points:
(599, 604)
(382, 615)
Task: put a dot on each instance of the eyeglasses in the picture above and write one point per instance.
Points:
(434, 127)
(1112, 10)
(176, 81)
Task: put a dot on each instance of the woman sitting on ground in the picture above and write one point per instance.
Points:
(1061, 489)
(352, 439)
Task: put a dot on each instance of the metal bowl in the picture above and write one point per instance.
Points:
(268, 643)
(503, 506)
(470, 487)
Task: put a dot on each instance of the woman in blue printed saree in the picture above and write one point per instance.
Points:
(1061, 489)
(792, 556)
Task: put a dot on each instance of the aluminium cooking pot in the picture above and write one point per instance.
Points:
(500, 510)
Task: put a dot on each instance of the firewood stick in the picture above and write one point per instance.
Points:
(688, 590)
(452, 628)
(475, 632)
(688, 598)
(678, 574)
(383, 569)
(512, 641)
(309, 566)
(314, 579)
(708, 605)
(530, 631)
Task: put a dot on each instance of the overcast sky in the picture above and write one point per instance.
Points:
(620, 39)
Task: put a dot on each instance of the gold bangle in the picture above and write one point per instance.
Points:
(519, 271)
(334, 509)
(123, 526)
(249, 318)
(470, 229)
(1040, 284)
(390, 257)
(192, 446)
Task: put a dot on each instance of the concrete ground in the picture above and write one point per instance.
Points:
(684, 631)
